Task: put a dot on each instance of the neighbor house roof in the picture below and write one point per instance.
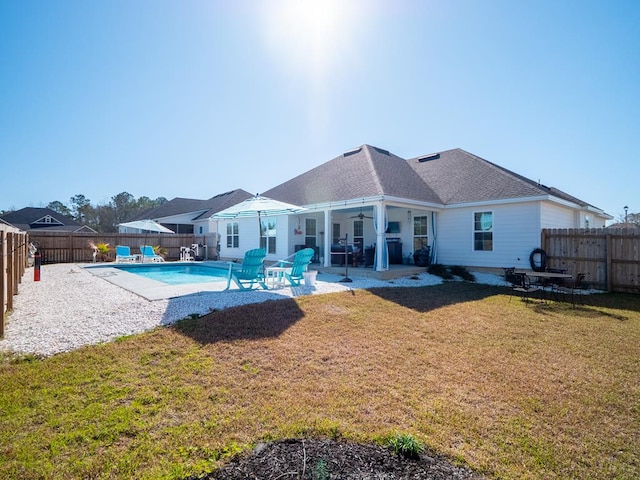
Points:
(224, 200)
(361, 173)
(175, 206)
(31, 218)
(200, 208)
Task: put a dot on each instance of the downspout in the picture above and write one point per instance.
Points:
(434, 242)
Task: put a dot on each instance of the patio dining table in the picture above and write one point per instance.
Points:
(544, 275)
(548, 282)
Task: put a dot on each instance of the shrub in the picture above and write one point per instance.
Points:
(462, 272)
(440, 270)
(406, 445)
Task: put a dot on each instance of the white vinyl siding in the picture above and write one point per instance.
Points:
(516, 232)
(556, 216)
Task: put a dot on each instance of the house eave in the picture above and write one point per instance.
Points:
(537, 198)
(371, 201)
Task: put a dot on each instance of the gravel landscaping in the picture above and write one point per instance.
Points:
(70, 307)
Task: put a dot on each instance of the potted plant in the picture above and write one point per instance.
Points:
(103, 251)
(158, 250)
(422, 257)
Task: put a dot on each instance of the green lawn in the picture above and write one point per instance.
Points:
(514, 390)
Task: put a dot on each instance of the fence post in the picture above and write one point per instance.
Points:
(3, 277)
(9, 266)
(608, 247)
(16, 262)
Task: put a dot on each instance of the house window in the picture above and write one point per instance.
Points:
(483, 231)
(358, 233)
(233, 237)
(268, 235)
(420, 238)
(310, 232)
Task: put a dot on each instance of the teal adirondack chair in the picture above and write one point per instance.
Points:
(250, 274)
(299, 265)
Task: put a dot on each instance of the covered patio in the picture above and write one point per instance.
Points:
(357, 231)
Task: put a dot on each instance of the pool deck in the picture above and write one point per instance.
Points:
(153, 289)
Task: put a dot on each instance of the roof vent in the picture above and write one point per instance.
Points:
(352, 152)
(428, 158)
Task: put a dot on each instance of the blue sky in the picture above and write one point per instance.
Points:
(195, 98)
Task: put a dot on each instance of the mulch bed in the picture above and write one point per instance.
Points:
(318, 459)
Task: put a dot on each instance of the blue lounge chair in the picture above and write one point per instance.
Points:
(298, 266)
(149, 256)
(123, 254)
(249, 274)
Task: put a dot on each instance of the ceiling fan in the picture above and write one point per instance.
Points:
(361, 215)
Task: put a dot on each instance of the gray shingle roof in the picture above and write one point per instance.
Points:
(364, 172)
(25, 217)
(175, 206)
(458, 176)
(179, 205)
(224, 200)
(448, 177)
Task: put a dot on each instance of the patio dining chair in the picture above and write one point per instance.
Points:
(520, 284)
(570, 286)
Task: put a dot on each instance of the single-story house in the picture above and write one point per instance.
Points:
(467, 210)
(44, 219)
(189, 215)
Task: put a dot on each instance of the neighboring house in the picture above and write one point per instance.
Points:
(188, 215)
(44, 219)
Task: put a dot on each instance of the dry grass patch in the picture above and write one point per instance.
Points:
(516, 390)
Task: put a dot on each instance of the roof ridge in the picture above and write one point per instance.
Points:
(367, 150)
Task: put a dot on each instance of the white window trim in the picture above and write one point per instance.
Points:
(474, 231)
(231, 224)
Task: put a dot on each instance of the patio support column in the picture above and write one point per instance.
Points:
(327, 238)
(382, 254)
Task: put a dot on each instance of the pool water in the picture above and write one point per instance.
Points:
(178, 274)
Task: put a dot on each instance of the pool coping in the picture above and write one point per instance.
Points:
(152, 289)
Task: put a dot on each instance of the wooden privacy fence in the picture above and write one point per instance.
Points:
(60, 247)
(14, 248)
(610, 258)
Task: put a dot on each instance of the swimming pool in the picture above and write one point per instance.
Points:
(178, 274)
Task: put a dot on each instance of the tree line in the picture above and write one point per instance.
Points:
(106, 217)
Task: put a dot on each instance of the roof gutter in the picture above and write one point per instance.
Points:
(537, 198)
(371, 201)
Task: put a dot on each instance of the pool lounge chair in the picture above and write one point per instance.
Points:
(149, 256)
(123, 254)
(298, 266)
(249, 275)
